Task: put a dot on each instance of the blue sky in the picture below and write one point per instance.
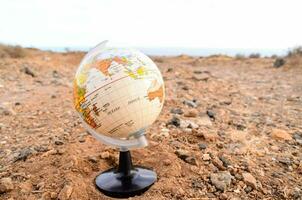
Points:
(274, 24)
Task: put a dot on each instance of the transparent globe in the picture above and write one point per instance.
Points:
(118, 93)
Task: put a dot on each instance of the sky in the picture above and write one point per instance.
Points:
(274, 24)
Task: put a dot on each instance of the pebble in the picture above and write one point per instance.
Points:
(210, 136)
(191, 113)
(221, 180)
(93, 159)
(279, 134)
(28, 71)
(249, 179)
(202, 146)
(6, 185)
(191, 160)
(298, 137)
(190, 103)
(182, 154)
(248, 189)
(177, 111)
(105, 155)
(206, 157)
(211, 114)
(201, 77)
(59, 142)
(23, 154)
(225, 161)
(218, 163)
(164, 132)
(204, 121)
(65, 193)
(175, 121)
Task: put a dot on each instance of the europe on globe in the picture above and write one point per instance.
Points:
(118, 92)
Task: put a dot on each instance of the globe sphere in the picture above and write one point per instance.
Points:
(118, 92)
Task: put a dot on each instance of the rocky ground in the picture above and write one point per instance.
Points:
(230, 129)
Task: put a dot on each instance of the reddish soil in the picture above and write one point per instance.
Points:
(239, 136)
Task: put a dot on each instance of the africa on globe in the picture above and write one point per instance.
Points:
(118, 92)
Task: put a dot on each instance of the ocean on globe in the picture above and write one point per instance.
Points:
(118, 92)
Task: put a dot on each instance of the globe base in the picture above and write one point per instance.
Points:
(126, 180)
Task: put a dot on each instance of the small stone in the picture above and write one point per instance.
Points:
(279, 134)
(191, 160)
(81, 139)
(191, 113)
(238, 177)
(225, 161)
(190, 103)
(59, 142)
(218, 163)
(279, 62)
(221, 180)
(28, 71)
(53, 195)
(285, 161)
(182, 154)
(105, 155)
(93, 159)
(176, 111)
(211, 114)
(206, 157)
(55, 74)
(223, 196)
(204, 121)
(298, 137)
(201, 77)
(249, 179)
(65, 193)
(175, 121)
(23, 154)
(202, 146)
(248, 189)
(164, 132)
(167, 162)
(6, 185)
(210, 136)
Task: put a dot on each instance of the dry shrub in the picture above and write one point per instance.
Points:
(294, 57)
(239, 56)
(255, 55)
(8, 51)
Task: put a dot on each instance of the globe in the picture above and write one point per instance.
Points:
(118, 92)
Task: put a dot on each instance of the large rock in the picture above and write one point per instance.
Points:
(250, 180)
(6, 185)
(279, 134)
(221, 180)
(65, 193)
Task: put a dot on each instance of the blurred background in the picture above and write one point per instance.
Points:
(156, 27)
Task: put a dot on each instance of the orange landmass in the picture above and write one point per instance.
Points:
(103, 65)
(79, 97)
(159, 93)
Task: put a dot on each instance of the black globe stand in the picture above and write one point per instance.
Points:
(126, 180)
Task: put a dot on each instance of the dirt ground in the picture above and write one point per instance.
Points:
(230, 129)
